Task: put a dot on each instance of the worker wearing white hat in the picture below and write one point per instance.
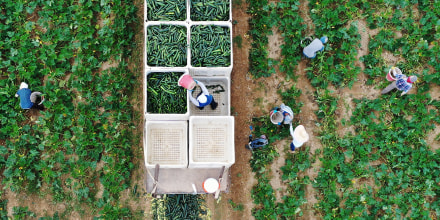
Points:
(204, 98)
(299, 136)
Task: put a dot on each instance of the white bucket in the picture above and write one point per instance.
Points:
(211, 185)
(300, 136)
(276, 117)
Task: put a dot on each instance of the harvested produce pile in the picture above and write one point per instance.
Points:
(202, 10)
(210, 46)
(178, 206)
(166, 10)
(164, 95)
(166, 45)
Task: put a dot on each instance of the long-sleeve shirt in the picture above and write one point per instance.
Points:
(402, 84)
(204, 91)
(286, 110)
(25, 98)
(312, 48)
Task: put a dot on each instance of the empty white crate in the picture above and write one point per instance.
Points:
(222, 98)
(211, 71)
(166, 144)
(163, 117)
(211, 141)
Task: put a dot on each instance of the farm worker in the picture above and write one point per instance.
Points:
(401, 82)
(299, 136)
(29, 99)
(257, 143)
(282, 114)
(25, 96)
(203, 98)
(316, 45)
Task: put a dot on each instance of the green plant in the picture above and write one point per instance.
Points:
(238, 41)
(235, 206)
(22, 212)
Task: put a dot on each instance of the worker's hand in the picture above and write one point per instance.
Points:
(16, 95)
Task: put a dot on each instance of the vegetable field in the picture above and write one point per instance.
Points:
(370, 156)
(77, 152)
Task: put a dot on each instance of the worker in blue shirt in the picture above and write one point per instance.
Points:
(315, 46)
(29, 99)
(25, 96)
(402, 83)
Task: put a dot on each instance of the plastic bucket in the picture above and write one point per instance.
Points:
(276, 117)
(187, 82)
(390, 76)
(300, 136)
(211, 185)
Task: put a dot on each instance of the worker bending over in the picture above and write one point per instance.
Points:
(401, 82)
(203, 98)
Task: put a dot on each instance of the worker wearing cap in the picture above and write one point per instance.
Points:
(203, 98)
(299, 136)
(25, 96)
(402, 83)
(29, 99)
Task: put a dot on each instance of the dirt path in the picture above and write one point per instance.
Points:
(242, 101)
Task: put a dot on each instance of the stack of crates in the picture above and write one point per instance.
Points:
(195, 138)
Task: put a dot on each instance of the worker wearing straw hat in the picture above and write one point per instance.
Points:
(299, 136)
(401, 82)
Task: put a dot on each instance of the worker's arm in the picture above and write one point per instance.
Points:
(192, 99)
(203, 87)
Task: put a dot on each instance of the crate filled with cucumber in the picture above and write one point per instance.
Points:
(166, 45)
(166, 10)
(164, 95)
(210, 10)
(210, 46)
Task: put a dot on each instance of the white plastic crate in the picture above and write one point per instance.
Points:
(163, 117)
(222, 98)
(211, 71)
(176, 23)
(189, 13)
(211, 141)
(146, 12)
(166, 144)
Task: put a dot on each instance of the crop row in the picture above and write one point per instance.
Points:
(83, 139)
(384, 167)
